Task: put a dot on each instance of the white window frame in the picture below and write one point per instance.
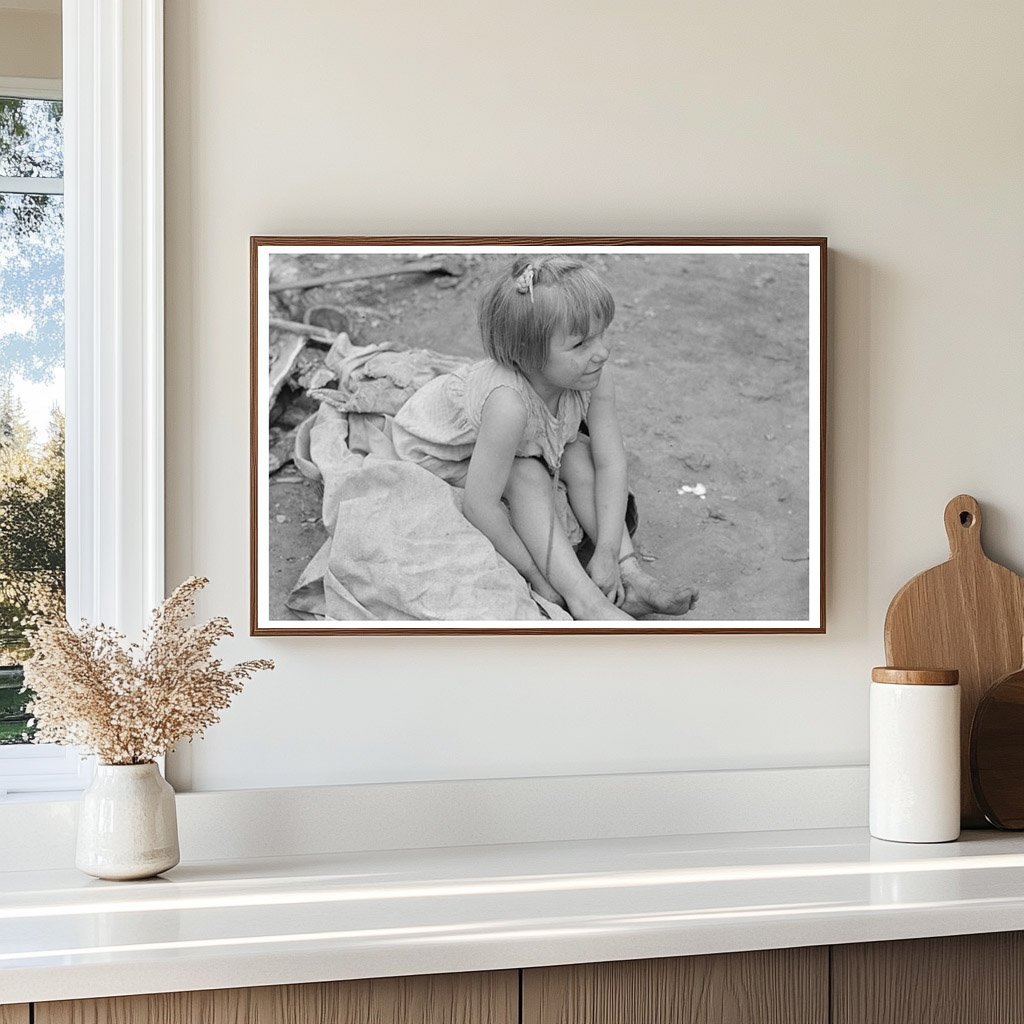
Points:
(31, 89)
(114, 327)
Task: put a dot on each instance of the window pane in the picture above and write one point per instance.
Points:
(31, 432)
(31, 138)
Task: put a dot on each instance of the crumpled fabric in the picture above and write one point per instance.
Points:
(380, 378)
(399, 547)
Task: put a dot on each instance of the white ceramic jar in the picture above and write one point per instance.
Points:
(127, 824)
(915, 755)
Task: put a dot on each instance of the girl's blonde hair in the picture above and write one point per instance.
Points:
(519, 315)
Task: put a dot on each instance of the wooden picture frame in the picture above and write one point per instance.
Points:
(717, 352)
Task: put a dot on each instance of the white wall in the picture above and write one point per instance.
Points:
(894, 129)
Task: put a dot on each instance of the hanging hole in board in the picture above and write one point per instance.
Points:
(966, 519)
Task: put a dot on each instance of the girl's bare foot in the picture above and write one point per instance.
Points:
(647, 596)
(594, 609)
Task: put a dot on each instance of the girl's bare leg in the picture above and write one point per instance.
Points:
(645, 595)
(532, 506)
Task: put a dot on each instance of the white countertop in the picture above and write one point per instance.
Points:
(225, 924)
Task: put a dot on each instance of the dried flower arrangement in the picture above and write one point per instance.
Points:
(129, 704)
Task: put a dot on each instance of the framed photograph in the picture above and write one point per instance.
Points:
(537, 435)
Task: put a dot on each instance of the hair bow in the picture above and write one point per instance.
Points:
(524, 282)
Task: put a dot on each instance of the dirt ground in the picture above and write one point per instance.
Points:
(711, 371)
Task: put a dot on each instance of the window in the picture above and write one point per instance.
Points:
(32, 535)
(31, 382)
(113, 311)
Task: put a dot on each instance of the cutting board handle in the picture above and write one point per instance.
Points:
(963, 526)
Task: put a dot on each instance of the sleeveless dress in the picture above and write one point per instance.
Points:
(438, 426)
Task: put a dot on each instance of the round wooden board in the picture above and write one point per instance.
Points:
(997, 752)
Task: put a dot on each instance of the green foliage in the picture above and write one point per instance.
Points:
(31, 146)
(31, 524)
(14, 720)
(31, 138)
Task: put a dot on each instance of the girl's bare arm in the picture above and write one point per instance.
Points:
(609, 466)
(502, 424)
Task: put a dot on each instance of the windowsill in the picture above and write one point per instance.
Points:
(236, 923)
(42, 797)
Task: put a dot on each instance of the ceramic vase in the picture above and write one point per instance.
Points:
(127, 825)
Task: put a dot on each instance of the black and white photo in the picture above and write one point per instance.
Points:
(537, 435)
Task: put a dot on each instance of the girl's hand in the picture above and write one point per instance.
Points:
(603, 569)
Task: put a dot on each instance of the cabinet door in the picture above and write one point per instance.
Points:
(777, 986)
(962, 979)
(491, 998)
(14, 1014)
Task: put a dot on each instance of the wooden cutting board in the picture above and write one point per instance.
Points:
(967, 614)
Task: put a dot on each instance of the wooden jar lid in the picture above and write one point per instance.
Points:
(918, 676)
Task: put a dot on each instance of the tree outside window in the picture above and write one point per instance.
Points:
(31, 386)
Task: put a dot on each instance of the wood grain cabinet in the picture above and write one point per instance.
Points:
(963, 979)
(775, 986)
(491, 998)
(968, 979)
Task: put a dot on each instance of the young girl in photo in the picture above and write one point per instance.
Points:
(508, 428)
